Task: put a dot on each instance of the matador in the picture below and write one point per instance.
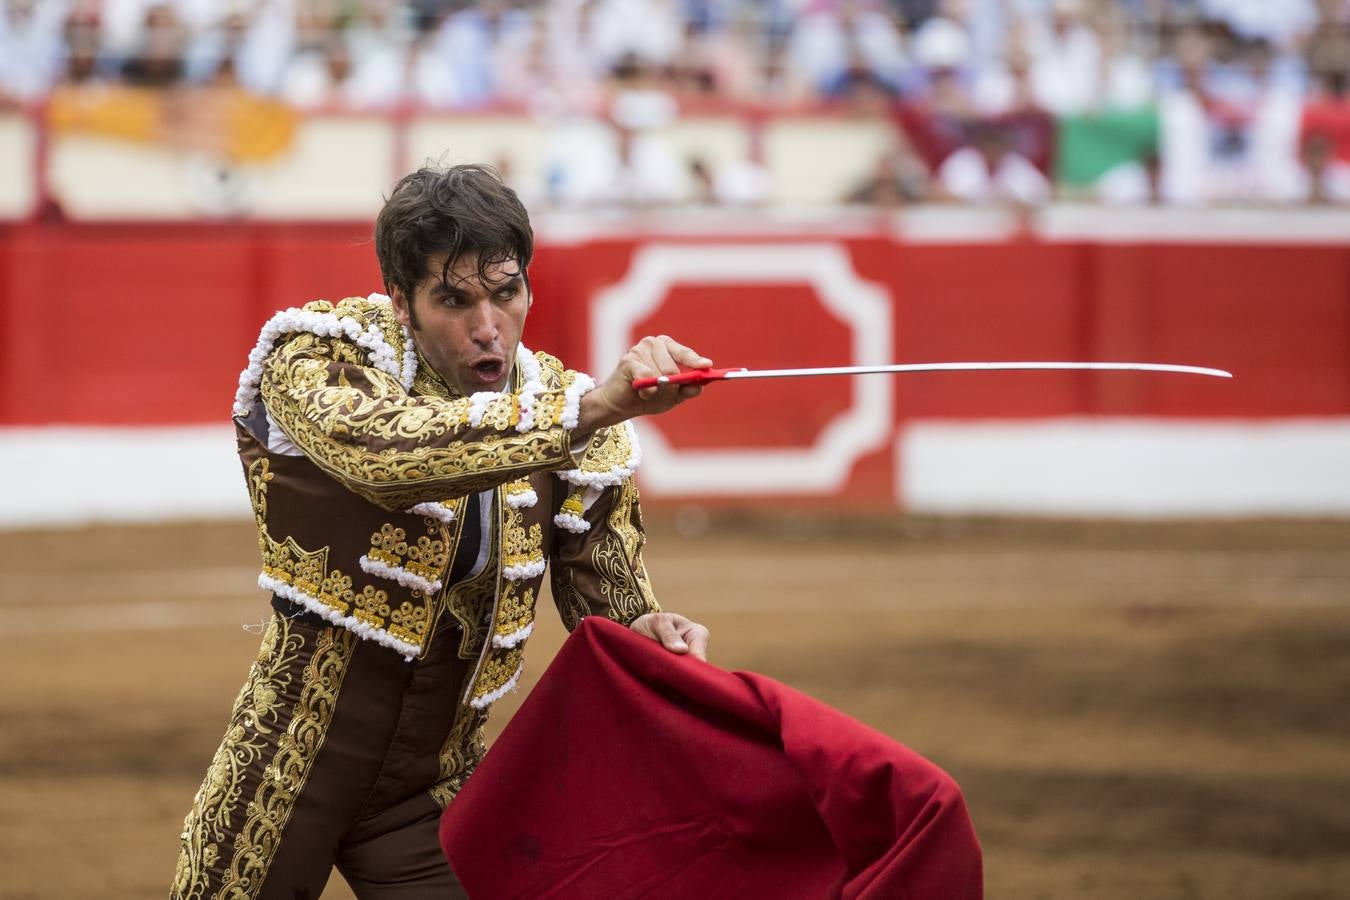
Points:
(413, 471)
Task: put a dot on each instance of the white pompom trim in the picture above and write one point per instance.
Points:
(409, 350)
(572, 523)
(289, 321)
(363, 630)
(532, 376)
(507, 641)
(581, 384)
(399, 574)
(488, 699)
(524, 571)
(433, 510)
(478, 404)
(522, 500)
(615, 475)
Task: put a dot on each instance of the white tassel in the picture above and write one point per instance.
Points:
(569, 522)
(522, 500)
(433, 510)
(399, 574)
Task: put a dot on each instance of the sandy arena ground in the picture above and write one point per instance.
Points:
(1134, 711)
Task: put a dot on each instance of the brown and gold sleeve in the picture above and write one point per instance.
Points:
(358, 424)
(599, 572)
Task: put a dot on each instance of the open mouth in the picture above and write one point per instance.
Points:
(489, 371)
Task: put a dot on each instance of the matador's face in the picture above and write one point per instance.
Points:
(466, 326)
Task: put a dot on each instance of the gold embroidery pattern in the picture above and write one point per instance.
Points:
(307, 570)
(372, 606)
(427, 383)
(210, 821)
(500, 666)
(426, 558)
(572, 607)
(548, 409)
(523, 547)
(470, 603)
(522, 566)
(515, 611)
(612, 449)
(460, 754)
(618, 560)
(575, 504)
(259, 475)
(551, 369)
(502, 414)
(284, 777)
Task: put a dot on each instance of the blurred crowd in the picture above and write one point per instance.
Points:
(1119, 101)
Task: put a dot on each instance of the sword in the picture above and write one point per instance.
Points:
(705, 376)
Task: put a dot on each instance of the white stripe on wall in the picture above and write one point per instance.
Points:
(1069, 467)
(1126, 467)
(72, 476)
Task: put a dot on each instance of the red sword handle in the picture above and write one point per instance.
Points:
(691, 376)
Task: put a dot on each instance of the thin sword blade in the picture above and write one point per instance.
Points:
(983, 367)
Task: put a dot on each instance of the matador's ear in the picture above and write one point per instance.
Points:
(399, 301)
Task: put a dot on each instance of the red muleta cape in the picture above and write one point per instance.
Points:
(632, 772)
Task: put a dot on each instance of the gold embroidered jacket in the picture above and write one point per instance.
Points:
(360, 463)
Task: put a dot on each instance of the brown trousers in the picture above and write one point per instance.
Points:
(332, 746)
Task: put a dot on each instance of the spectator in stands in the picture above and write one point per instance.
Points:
(1186, 142)
(471, 43)
(1228, 113)
(1127, 75)
(1066, 59)
(360, 66)
(1030, 127)
(899, 178)
(836, 38)
(157, 61)
(990, 171)
(579, 74)
(1238, 146)
(623, 159)
(31, 48)
(1275, 109)
(732, 52)
(318, 72)
(1325, 139)
(523, 69)
(649, 30)
(942, 47)
(258, 45)
(378, 39)
(940, 103)
(82, 37)
(431, 76)
(1277, 21)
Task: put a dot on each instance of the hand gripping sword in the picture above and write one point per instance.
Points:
(705, 376)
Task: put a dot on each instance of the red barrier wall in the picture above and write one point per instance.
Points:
(150, 324)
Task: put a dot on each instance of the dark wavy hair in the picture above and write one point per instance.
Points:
(455, 210)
